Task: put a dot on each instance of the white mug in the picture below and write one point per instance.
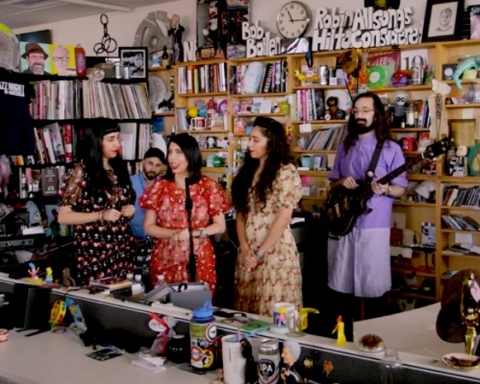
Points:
(234, 363)
(290, 320)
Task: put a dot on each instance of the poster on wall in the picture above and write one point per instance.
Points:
(47, 59)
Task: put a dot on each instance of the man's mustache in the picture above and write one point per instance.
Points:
(361, 121)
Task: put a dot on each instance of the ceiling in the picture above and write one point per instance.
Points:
(27, 13)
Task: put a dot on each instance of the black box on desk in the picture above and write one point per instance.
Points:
(30, 306)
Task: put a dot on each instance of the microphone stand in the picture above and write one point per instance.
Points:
(192, 258)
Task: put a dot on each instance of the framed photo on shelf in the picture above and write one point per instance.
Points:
(136, 58)
(443, 20)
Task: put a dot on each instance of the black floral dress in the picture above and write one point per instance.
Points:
(100, 248)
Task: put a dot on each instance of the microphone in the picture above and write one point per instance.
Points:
(192, 258)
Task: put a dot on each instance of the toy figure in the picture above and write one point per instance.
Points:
(33, 272)
(165, 58)
(211, 30)
(155, 61)
(333, 112)
(399, 114)
(340, 329)
(469, 313)
(176, 31)
(49, 277)
(292, 371)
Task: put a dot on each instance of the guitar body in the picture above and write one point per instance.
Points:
(344, 206)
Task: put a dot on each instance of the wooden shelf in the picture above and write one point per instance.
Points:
(206, 131)
(255, 95)
(420, 177)
(170, 113)
(314, 173)
(455, 106)
(409, 130)
(460, 179)
(258, 114)
(460, 208)
(326, 87)
(204, 94)
(319, 122)
(400, 203)
(406, 88)
(214, 169)
(214, 150)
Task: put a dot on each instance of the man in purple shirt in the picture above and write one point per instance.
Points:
(359, 263)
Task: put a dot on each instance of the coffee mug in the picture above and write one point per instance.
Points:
(198, 123)
(285, 315)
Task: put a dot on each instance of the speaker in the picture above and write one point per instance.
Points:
(31, 307)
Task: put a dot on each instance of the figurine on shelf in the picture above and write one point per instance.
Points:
(176, 31)
(340, 329)
(333, 112)
(469, 312)
(399, 113)
(165, 58)
(33, 272)
(49, 277)
(292, 371)
(155, 61)
(211, 30)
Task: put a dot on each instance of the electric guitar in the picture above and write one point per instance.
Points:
(343, 206)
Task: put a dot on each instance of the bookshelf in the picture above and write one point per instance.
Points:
(416, 212)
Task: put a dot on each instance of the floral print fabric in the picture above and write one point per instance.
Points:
(170, 257)
(277, 277)
(100, 248)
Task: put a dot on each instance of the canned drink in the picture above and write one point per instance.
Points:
(269, 362)
(126, 72)
(118, 70)
(417, 75)
(324, 73)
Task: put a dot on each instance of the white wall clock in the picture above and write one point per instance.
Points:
(293, 20)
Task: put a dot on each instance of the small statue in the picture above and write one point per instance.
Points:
(292, 371)
(469, 313)
(176, 31)
(165, 58)
(155, 61)
(68, 281)
(211, 30)
(33, 272)
(340, 329)
(49, 277)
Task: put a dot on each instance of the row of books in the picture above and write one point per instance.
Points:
(461, 223)
(258, 77)
(453, 196)
(82, 99)
(206, 78)
(56, 143)
(323, 139)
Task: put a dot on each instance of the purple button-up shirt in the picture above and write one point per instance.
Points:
(355, 164)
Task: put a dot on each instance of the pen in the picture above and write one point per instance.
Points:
(113, 348)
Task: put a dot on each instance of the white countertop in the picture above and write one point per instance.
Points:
(50, 358)
(410, 333)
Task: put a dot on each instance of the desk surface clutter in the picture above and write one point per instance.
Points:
(51, 358)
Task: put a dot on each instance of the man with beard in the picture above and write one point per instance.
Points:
(359, 262)
(35, 57)
(151, 167)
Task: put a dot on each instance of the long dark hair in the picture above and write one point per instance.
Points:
(278, 154)
(382, 131)
(91, 154)
(191, 150)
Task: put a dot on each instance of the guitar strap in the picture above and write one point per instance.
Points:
(374, 161)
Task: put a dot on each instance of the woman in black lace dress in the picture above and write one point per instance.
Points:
(97, 200)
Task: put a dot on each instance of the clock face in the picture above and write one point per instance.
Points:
(293, 20)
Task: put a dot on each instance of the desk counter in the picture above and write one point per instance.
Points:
(422, 366)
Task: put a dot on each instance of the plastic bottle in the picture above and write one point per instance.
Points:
(160, 281)
(80, 61)
(138, 287)
(203, 335)
(392, 368)
(130, 277)
(410, 116)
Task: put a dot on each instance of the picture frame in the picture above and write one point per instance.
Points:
(443, 20)
(137, 59)
(462, 132)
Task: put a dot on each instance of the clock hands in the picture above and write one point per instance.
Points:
(299, 20)
(290, 15)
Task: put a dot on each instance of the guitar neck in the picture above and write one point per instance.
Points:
(398, 171)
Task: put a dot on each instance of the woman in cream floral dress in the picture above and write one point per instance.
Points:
(265, 192)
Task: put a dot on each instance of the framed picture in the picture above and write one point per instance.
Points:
(443, 20)
(136, 58)
(462, 131)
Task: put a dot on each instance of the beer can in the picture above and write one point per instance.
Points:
(417, 75)
(268, 362)
(126, 72)
(118, 70)
(324, 74)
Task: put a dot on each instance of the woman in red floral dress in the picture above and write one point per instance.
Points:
(166, 215)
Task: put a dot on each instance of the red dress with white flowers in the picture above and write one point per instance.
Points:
(170, 257)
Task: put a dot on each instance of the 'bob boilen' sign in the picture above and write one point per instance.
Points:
(363, 28)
